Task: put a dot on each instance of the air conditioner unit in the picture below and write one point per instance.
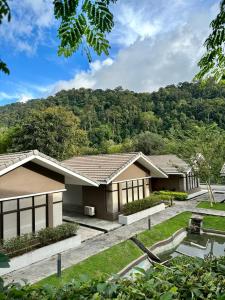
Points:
(89, 211)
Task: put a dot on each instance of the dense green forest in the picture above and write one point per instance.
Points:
(93, 121)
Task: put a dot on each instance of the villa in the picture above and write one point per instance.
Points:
(31, 192)
(180, 175)
(122, 178)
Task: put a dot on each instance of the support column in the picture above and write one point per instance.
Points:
(120, 194)
(50, 211)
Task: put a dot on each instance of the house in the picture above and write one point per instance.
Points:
(122, 178)
(31, 192)
(180, 175)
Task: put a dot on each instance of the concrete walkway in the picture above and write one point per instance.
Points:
(45, 268)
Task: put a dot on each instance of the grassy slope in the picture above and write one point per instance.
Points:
(117, 257)
(216, 206)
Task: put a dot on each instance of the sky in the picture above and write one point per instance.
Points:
(154, 43)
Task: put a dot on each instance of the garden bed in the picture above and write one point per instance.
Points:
(37, 255)
(126, 220)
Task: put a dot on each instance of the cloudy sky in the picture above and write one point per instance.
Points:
(154, 43)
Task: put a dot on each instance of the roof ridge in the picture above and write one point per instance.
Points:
(19, 152)
(103, 154)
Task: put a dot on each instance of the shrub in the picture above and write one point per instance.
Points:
(139, 205)
(48, 235)
(180, 196)
(43, 237)
(186, 278)
(17, 243)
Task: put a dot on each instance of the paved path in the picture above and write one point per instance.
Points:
(212, 212)
(97, 244)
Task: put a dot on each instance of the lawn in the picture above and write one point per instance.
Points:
(216, 206)
(119, 256)
(114, 259)
(214, 222)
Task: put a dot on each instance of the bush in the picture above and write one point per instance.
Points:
(139, 205)
(48, 235)
(186, 278)
(43, 237)
(17, 243)
(180, 196)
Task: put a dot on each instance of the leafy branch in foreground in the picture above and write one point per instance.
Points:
(212, 63)
(4, 13)
(83, 25)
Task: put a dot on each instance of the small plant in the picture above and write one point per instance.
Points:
(17, 243)
(179, 196)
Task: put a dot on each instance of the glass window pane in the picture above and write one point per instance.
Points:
(140, 182)
(25, 202)
(40, 218)
(9, 205)
(130, 195)
(134, 182)
(57, 197)
(40, 200)
(129, 184)
(10, 226)
(26, 221)
(135, 194)
(124, 196)
(124, 185)
(141, 193)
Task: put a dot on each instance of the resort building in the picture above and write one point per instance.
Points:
(180, 175)
(31, 192)
(122, 178)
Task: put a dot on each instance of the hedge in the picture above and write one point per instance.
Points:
(139, 205)
(180, 196)
(186, 278)
(24, 243)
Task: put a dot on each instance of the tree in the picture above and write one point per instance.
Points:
(149, 143)
(203, 148)
(212, 63)
(6, 135)
(54, 131)
(4, 13)
(83, 24)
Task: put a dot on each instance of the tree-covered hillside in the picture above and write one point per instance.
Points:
(91, 121)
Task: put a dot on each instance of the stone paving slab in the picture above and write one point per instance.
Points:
(206, 211)
(91, 222)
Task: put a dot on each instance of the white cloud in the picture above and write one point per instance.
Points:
(29, 23)
(150, 62)
(84, 79)
(24, 98)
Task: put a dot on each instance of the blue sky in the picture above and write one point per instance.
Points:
(154, 43)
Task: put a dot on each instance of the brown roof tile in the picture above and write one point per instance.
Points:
(170, 163)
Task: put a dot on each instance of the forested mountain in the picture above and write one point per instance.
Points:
(112, 120)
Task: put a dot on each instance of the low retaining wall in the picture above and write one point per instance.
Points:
(170, 243)
(158, 248)
(126, 220)
(42, 253)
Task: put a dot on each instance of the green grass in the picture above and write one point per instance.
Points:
(214, 222)
(216, 206)
(164, 230)
(119, 256)
(106, 262)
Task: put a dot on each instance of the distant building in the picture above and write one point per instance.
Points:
(181, 177)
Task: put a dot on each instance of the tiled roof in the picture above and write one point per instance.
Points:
(100, 167)
(223, 170)
(170, 163)
(9, 159)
